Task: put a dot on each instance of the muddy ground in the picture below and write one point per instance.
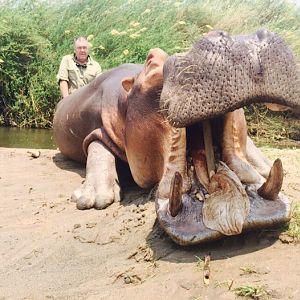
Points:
(51, 250)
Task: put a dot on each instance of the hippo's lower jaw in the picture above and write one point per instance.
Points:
(183, 216)
(187, 228)
(222, 205)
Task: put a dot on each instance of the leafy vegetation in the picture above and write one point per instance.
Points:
(35, 34)
(27, 93)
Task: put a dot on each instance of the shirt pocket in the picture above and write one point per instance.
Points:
(74, 79)
(72, 75)
(89, 75)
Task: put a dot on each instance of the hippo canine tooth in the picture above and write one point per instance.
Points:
(271, 188)
(175, 202)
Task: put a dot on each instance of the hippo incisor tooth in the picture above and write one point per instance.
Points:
(209, 150)
(271, 188)
(175, 203)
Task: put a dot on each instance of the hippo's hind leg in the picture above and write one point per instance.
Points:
(101, 187)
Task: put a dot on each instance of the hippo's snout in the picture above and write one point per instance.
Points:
(222, 73)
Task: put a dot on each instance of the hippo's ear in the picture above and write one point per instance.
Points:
(127, 83)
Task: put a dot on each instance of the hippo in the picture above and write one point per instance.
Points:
(178, 122)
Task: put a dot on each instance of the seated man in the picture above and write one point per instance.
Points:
(78, 69)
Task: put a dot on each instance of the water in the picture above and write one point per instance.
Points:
(26, 138)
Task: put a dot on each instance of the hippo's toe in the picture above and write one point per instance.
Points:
(93, 193)
(84, 197)
(102, 202)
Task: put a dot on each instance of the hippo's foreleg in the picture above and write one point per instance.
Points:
(101, 187)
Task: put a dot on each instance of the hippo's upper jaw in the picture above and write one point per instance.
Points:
(222, 73)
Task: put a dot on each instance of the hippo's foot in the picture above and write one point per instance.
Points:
(101, 187)
(95, 194)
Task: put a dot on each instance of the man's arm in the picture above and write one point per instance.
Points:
(63, 76)
(64, 88)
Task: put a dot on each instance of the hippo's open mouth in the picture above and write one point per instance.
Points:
(208, 202)
(224, 184)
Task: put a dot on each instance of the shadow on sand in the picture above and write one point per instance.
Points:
(228, 246)
(67, 164)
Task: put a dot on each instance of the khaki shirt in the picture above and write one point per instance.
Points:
(76, 74)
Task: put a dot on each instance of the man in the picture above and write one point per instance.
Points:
(78, 69)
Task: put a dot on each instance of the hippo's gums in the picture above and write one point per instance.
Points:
(179, 124)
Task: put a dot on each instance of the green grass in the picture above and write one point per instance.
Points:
(200, 263)
(248, 270)
(294, 225)
(251, 291)
(280, 129)
(34, 35)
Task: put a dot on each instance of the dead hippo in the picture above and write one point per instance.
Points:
(179, 124)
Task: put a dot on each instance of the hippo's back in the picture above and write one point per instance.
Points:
(80, 113)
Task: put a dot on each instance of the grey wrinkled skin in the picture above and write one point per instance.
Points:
(222, 73)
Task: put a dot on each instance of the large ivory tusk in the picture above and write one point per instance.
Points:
(175, 202)
(271, 188)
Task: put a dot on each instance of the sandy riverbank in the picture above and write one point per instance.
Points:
(49, 249)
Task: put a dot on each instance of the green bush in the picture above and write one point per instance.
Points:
(35, 35)
(27, 88)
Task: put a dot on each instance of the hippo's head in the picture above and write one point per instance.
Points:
(215, 181)
(219, 75)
